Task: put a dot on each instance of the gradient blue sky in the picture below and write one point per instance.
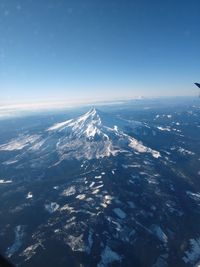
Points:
(98, 49)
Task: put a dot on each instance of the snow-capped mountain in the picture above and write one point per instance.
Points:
(113, 205)
(97, 134)
(92, 124)
(93, 135)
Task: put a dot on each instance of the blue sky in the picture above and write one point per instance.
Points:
(98, 49)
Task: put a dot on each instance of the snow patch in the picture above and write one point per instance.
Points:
(19, 143)
(164, 128)
(194, 196)
(92, 184)
(69, 191)
(98, 177)
(52, 207)
(2, 181)
(185, 151)
(139, 147)
(29, 195)
(30, 251)
(59, 125)
(9, 162)
(81, 196)
(66, 207)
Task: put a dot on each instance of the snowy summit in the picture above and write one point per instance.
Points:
(95, 134)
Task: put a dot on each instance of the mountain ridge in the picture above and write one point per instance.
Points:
(94, 134)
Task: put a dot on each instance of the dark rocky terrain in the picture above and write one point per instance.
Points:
(113, 187)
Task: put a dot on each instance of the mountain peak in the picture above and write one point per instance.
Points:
(91, 116)
(79, 122)
(95, 134)
(93, 113)
(92, 110)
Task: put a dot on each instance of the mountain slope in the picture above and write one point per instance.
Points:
(92, 135)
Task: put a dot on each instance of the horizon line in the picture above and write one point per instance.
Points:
(15, 109)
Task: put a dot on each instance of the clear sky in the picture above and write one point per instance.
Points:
(98, 49)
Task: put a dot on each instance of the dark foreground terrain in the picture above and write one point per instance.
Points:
(112, 186)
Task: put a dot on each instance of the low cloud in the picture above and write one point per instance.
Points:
(19, 109)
